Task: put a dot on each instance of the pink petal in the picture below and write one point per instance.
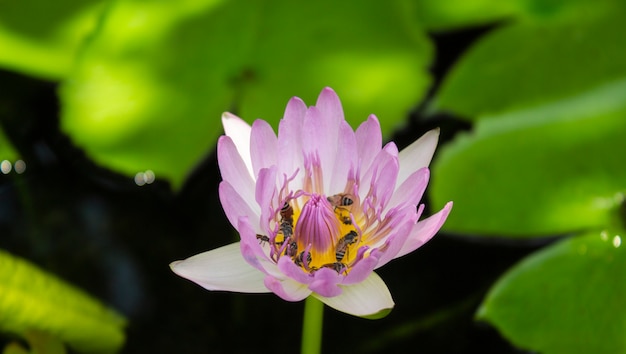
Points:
(295, 110)
(425, 230)
(320, 132)
(368, 298)
(369, 141)
(263, 146)
(397, 239)
(345, 159)
(418, 154)
(412, 189)
(221, 269)
(287, 289)
(291, 270)
(325, 282)
(329, 105)
(239, 131)
(319, 138)
(362, 269)
(265, 193)
(381, 178)
(391, 148)
(252, 251)
(290, 138)
(233, 169)
(235, 206)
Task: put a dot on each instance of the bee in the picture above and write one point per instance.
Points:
(337, 266)
(262, 238)
(292, 249)
(342, 245)
(299, 260)
(341, 202)
(286, 220)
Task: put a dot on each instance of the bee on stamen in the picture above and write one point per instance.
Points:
(299, 260)
(342, 245)
(292, 249)
(341, 202)
(286, 220)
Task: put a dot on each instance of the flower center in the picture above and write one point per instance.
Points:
(320, 234)
(317, 226)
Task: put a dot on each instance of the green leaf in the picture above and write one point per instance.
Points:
(534, 63)
(454, 14)
(379, 69)
(150, 87)
(33, 300)
(549, 170)
(566, 298)
(41, 37)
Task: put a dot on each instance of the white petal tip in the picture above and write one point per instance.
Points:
(173, 265)
(378, 315)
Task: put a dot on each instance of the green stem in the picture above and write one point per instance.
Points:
(312, 326)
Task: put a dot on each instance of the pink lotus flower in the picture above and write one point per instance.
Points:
(318, 208)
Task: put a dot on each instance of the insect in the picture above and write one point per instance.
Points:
(262, 238)
(292, 249)
(342, 245)
(299, 260)
(341, 202)
(337, 266)
(286, 220)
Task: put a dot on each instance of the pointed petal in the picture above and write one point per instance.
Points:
(235, 206)
(363, 269)
(319, 138)
(321, 132)
(253, 252)
(425, 230)
(290, 138)
(265, 192)
(398, 238)
(295, 110)
(233, 169)
(369, 141)
(418, 154)
(367, 298)
(410, 192)
(239, 131)
(380, 179)
(287, 289)
(263, 146)
(345, 159)
(221, 269)
(329, 105)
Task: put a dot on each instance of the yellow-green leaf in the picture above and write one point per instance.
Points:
(41, 37)
(34, 300)
(546, 171)
(528, 64)
(566, 298)
(148, 91)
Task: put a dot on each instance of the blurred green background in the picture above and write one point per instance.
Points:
(109, 115)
